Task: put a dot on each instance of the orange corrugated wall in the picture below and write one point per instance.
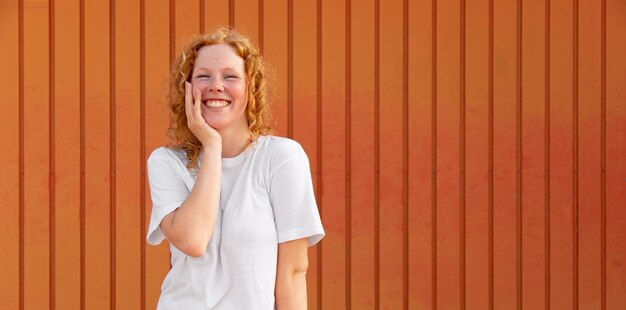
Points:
(465, 154)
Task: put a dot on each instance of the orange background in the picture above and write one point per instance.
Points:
(465, 154)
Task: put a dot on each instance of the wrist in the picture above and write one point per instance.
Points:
(212, 150)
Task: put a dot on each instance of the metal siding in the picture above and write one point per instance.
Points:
(464, 154)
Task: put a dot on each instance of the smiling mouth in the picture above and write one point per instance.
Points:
(211, 103)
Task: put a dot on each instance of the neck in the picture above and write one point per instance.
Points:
(234, 141)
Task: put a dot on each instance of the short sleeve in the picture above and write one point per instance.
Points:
(293, 201)
(167, 190)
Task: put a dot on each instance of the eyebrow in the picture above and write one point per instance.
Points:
(224, 69)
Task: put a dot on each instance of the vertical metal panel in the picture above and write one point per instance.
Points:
(97, 133)
(391, 198)
(11, 187)
(590, 164)
(247, 18)
(128, 158)
(362, 130)
(333, 124)
(504, 161)
(433, 155)
(157, 57)
(615, 150)
(533, 154)
(215, 14)
(546, 166)
(36, 157)
(66, 142)
(51, 155)
(448, 155)
(561, 147)
(476, 151)
(186, 23)
(419, 157)
(275, 52)
(304, 111)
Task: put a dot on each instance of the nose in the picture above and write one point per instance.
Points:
(215, 85)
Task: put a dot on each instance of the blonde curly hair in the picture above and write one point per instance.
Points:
(257, 111)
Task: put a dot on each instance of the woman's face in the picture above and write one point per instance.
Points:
(220, 75)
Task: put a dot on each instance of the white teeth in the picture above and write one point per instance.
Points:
(216, 103)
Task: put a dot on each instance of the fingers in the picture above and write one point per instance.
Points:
(193, 98)
(188, 100)
(197, 104)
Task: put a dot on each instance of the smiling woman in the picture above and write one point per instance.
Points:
(220, 76)
(236, 204)
(191, 67)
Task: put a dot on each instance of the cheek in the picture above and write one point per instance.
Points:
(242, 93)
(199, 84)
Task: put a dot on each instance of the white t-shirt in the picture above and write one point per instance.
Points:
(266, 198)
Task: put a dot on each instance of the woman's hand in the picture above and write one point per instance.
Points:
(208, 136)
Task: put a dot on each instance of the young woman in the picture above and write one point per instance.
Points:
(235, 203)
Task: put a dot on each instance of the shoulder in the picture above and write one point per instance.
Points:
(166, 156)
(280, 149)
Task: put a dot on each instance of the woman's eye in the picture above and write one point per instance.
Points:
(201, 76)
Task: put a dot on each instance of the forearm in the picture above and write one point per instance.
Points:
(192, 225)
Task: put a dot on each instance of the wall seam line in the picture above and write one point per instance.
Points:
(462, 193)
(261, 25)
(231, 13)
(519, 164)
(290, 68)
(51, 154)
(319, 140)
(490, 159)
(405, 153)
(348, 150)
(201, 8)
(575, 152)
(112, 159)
(603, 157)
(142, 150)
(82, 155)
(21, 150)
(547, 84)
(434, 155)
(377, 154)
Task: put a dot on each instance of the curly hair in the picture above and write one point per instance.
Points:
(257, 111)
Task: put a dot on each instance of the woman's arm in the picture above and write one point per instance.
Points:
(190, 227)
(291, 270)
